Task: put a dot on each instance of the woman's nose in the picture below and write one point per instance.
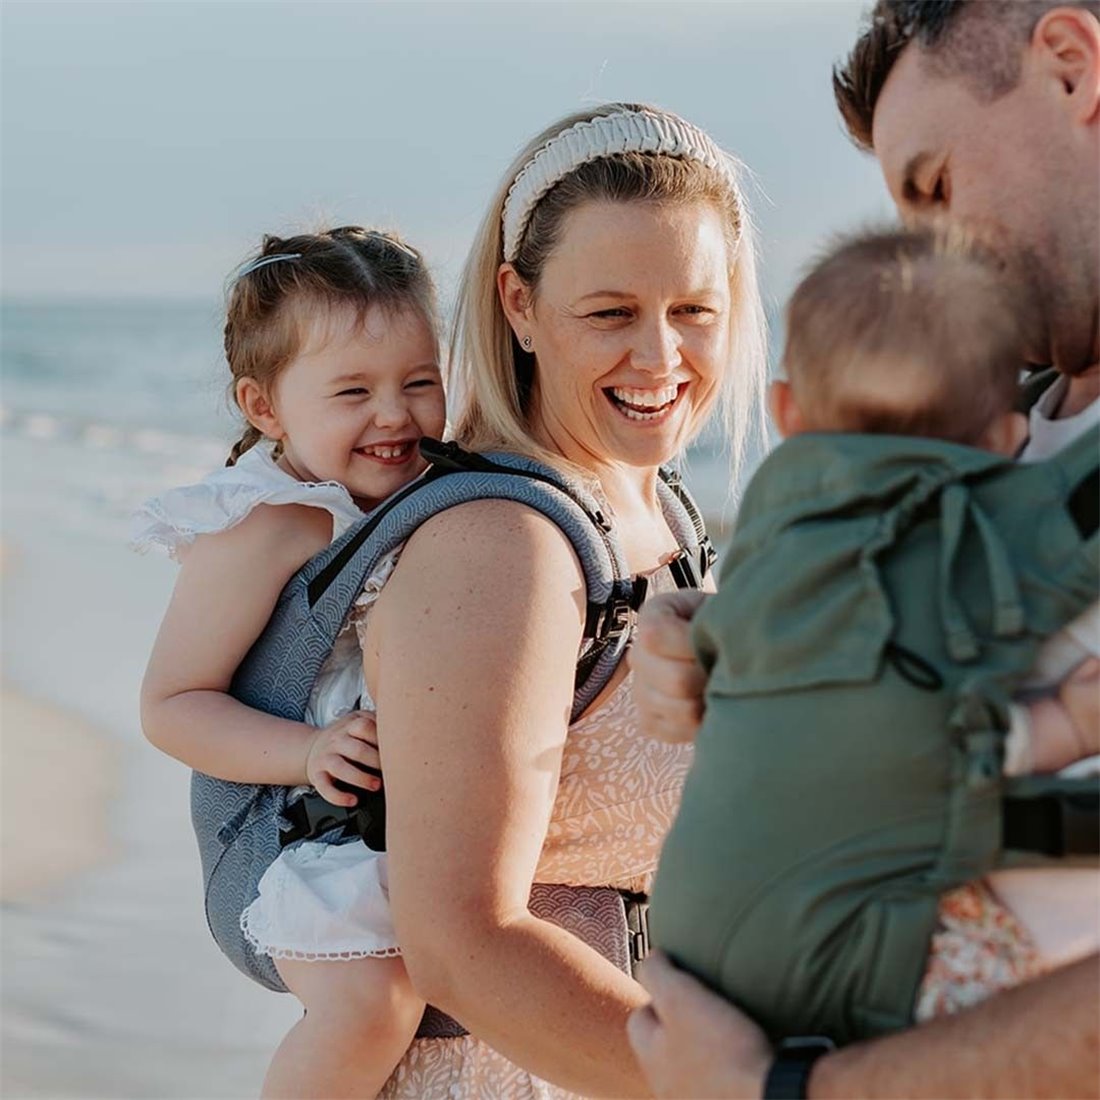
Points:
(657, 347)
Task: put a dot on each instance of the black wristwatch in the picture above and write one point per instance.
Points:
(790, 1072)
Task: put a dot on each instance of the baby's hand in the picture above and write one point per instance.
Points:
(1079, 693)
(341, 751)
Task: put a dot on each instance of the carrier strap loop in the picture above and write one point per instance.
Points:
(956, 507)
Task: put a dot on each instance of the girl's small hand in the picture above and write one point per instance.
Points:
(341, 751)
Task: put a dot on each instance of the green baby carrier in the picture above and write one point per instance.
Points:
(881, 600)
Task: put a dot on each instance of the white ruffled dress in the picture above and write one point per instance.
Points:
(318, 900)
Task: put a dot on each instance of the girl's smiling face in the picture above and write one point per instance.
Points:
(630, 327)
(354, 402)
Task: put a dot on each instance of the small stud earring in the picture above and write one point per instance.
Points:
(526, 342)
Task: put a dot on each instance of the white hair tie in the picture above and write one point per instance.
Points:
(603, 136)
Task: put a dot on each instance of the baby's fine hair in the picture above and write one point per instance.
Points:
(906, 332)
(290, 279)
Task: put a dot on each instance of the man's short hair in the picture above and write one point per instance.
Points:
(981, 39)
(906, 332)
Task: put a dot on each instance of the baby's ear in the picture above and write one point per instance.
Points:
(784, 410)
(255, 402)
(1006, 435)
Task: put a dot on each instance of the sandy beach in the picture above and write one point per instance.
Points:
(111, 984)
(51, 760)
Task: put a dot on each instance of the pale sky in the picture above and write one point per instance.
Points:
(148, 145)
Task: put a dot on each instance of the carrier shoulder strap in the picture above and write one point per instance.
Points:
(458, 476)
(1054, 815)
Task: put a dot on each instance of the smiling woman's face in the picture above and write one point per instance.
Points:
(630, 329)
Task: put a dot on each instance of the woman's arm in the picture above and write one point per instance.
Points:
(227, 587)
(472, 649)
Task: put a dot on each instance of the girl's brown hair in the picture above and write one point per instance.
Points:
(290, 278)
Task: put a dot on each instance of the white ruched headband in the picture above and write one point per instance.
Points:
(603, 136)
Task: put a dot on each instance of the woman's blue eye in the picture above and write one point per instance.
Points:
(419, 383)
(615, 312)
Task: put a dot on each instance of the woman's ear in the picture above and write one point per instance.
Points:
(255, 402)
(515, 300)
(785, 413)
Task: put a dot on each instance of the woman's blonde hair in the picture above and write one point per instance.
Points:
(494, 377)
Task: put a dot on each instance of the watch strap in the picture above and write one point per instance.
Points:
(789, 1074)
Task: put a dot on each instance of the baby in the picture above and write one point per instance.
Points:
(919, 334)
(836, 822)
(954, 379)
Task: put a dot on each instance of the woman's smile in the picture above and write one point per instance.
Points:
(646, 406)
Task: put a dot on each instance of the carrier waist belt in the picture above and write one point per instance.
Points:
(612, 921)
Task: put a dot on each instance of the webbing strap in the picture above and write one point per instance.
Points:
(1057, 824)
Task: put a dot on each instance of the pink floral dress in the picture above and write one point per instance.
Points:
(978, 949)
(617, 796)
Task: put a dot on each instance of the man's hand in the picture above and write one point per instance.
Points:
(691, 1043)
(668, 681)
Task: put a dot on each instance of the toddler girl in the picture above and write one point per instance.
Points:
(331, 339)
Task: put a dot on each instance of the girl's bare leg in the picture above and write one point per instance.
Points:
(361, 1015)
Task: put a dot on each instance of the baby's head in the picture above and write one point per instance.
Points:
(907, 333)
(332, 341)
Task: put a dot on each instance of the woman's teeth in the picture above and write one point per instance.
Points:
(644, 404)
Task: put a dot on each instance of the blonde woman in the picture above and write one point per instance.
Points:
(609, 304)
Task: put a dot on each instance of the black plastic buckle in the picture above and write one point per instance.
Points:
(682, 570)
(608, 620)
(708, 556)
(637, 924)
(311, 816)
(1054, 825)
(615, 618)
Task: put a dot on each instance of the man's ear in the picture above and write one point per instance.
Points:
(1006, 435)
(785, 412)
(255, 402)
(1066, 43)
(515, 300)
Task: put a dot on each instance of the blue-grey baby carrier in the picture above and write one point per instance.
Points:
(239, 825)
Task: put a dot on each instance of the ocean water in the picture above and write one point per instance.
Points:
(104, 404)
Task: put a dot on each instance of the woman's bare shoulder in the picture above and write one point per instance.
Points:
(496, 565)
(496, 535)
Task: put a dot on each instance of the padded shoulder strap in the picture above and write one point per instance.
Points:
(457, 477)
(686, 521)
